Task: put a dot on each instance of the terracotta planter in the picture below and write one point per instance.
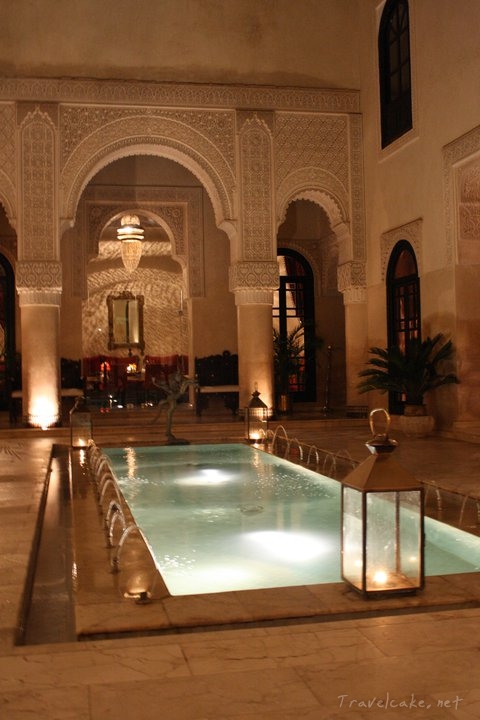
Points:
(416, 422)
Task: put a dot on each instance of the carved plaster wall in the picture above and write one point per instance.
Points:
(38, 219)
(319, 158)
(202, 141)
(316, 143)
(178, 210)
(8, 175)
(468, 244)
(461, 160)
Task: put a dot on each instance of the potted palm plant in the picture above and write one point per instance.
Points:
(411, 374)
(290, 352)
(287, 352)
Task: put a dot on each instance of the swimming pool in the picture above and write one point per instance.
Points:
(220, 518)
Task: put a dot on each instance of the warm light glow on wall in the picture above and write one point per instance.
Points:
(43, 413)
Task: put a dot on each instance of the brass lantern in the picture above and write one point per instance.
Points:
(382, 524)
(256, 419)
(81, 431)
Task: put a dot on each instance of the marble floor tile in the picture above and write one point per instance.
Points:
(241, 692)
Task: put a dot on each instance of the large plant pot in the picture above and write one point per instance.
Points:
(416, 422)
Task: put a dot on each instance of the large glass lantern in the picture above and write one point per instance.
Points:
(256, 419)
(382, 524)
(81, 431)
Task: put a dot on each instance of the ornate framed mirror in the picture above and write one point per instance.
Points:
(125, 321)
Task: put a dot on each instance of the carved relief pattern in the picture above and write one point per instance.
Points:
(260, 275)
(303, 141)
(299, 186)
(412, 232)
(352, 282)
(469, 215)
(176, 94)
(7, 155)
(467, 146)
(39, 275)
(38, 206)
(216, 126)
(256, 162)
(116, 129)
(357, 196)
(470, 183)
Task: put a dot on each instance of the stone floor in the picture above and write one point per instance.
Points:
(417, 661)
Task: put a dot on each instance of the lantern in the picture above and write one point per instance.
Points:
(80, 424)
(382, 524)
(256, 419)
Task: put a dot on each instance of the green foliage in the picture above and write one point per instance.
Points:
(413, 373)
(287, 353)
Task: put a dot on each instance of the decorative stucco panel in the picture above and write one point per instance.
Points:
(38, 209)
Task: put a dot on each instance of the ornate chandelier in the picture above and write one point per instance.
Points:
(130, 233)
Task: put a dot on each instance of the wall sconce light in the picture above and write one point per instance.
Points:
(131, 234)
(256, 419)
(382, 523)
(80, 424)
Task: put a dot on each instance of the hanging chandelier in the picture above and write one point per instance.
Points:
(130, 233)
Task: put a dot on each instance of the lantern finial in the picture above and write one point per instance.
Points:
(380, 442)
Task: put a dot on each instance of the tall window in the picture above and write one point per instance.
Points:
(403, 304)
(293, 305)
(395, 76)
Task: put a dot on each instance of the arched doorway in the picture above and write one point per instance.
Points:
(8, 369)
(403, 305)
(293, 306)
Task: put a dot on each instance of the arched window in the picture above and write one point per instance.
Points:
(7, 332)
(294, 305)
(403, 303)
(394, 66)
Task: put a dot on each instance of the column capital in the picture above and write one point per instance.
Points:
(39, 282)
(254, 282)
(351, 282)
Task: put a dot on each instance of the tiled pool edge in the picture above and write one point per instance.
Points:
(101, 611)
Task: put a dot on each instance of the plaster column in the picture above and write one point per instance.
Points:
(38, 272)
(40, 335)
(255, 353)
(350, 282)
(40, 367)
(253, 285)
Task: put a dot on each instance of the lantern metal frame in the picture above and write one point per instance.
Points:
(383, 525)
(256, 420)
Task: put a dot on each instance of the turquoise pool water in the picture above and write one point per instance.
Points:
(230, 517)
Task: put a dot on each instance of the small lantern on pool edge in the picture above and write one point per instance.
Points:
(256, 419)
(382, 523)
(80, 424)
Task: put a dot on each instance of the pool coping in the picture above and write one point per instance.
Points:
(101, 610)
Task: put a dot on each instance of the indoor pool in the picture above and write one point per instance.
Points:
(232, 517)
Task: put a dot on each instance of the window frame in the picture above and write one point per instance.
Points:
(395, 71)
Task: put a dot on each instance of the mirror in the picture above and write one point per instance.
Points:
(125, 321)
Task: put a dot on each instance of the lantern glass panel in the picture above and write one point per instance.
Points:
(393, 540)
(80, 427)
(352, 550)
(256, 423)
